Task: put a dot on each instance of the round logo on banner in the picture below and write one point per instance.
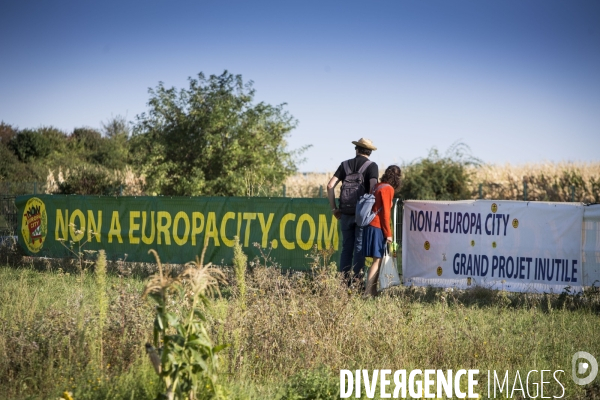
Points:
(469, 281)
(515, 223)
(494, 207)
(472, 243)
(494, 244)
(427, 246)
(439, 271)
(34, 225)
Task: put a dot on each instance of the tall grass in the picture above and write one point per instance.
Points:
(101, 302)
(290, 338)
(49, 340)
(302, 323)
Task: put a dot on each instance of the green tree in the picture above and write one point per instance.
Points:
(55, 138)
(115, 127)
(12, 170)
(205, 139)
(25, 155)
(10, 166)
(91, 160)
(438, 177)
(90, 146)
(7, 132)
(59, 153)
(86, 142)
(29, 145)
(115, 153)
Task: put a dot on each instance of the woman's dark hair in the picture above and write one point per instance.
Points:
(392, 176)
(363, 150)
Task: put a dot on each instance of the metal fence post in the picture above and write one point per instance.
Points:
(481, 190)
(572, 193)
(34, 187)
(398, 215)
(283, 190)
(321, 191)
(524, 190)
(395, 220)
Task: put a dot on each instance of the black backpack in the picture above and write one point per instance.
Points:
(353, 187)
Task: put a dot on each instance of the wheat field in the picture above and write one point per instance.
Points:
(564, 181)
(543, 182)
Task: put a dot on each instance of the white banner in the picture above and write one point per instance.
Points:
(511, 245)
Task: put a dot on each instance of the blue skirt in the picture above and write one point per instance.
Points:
(373, 242)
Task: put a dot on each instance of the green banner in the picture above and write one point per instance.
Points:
(178, 227)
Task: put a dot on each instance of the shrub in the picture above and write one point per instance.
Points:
(439, 177)
(316, 384)
(29, 145)
(11, 169)
(91, 180)
(7, 132)
(86, 139)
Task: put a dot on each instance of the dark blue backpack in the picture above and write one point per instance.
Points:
(353, 187)
(364, 208)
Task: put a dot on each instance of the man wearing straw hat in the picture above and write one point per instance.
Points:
(358, 175)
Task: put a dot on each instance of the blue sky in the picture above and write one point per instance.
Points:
(518, 81)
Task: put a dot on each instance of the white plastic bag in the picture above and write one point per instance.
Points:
(388, 272)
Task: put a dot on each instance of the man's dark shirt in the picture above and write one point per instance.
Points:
(372, 171)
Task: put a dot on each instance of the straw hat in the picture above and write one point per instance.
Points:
(366, 143)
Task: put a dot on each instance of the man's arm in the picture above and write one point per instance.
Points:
(372, 183)
(331, 196)
(372, 175)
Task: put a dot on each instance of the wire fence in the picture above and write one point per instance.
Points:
(21, 188)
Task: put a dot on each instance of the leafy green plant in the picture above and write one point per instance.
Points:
(320, 259)
(317, 384)
(101, 300)
(183, 354)
(240, 263)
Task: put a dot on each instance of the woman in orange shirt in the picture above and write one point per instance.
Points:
(378, 234)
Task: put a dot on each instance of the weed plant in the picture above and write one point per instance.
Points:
(240, 264)
(182, 353)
